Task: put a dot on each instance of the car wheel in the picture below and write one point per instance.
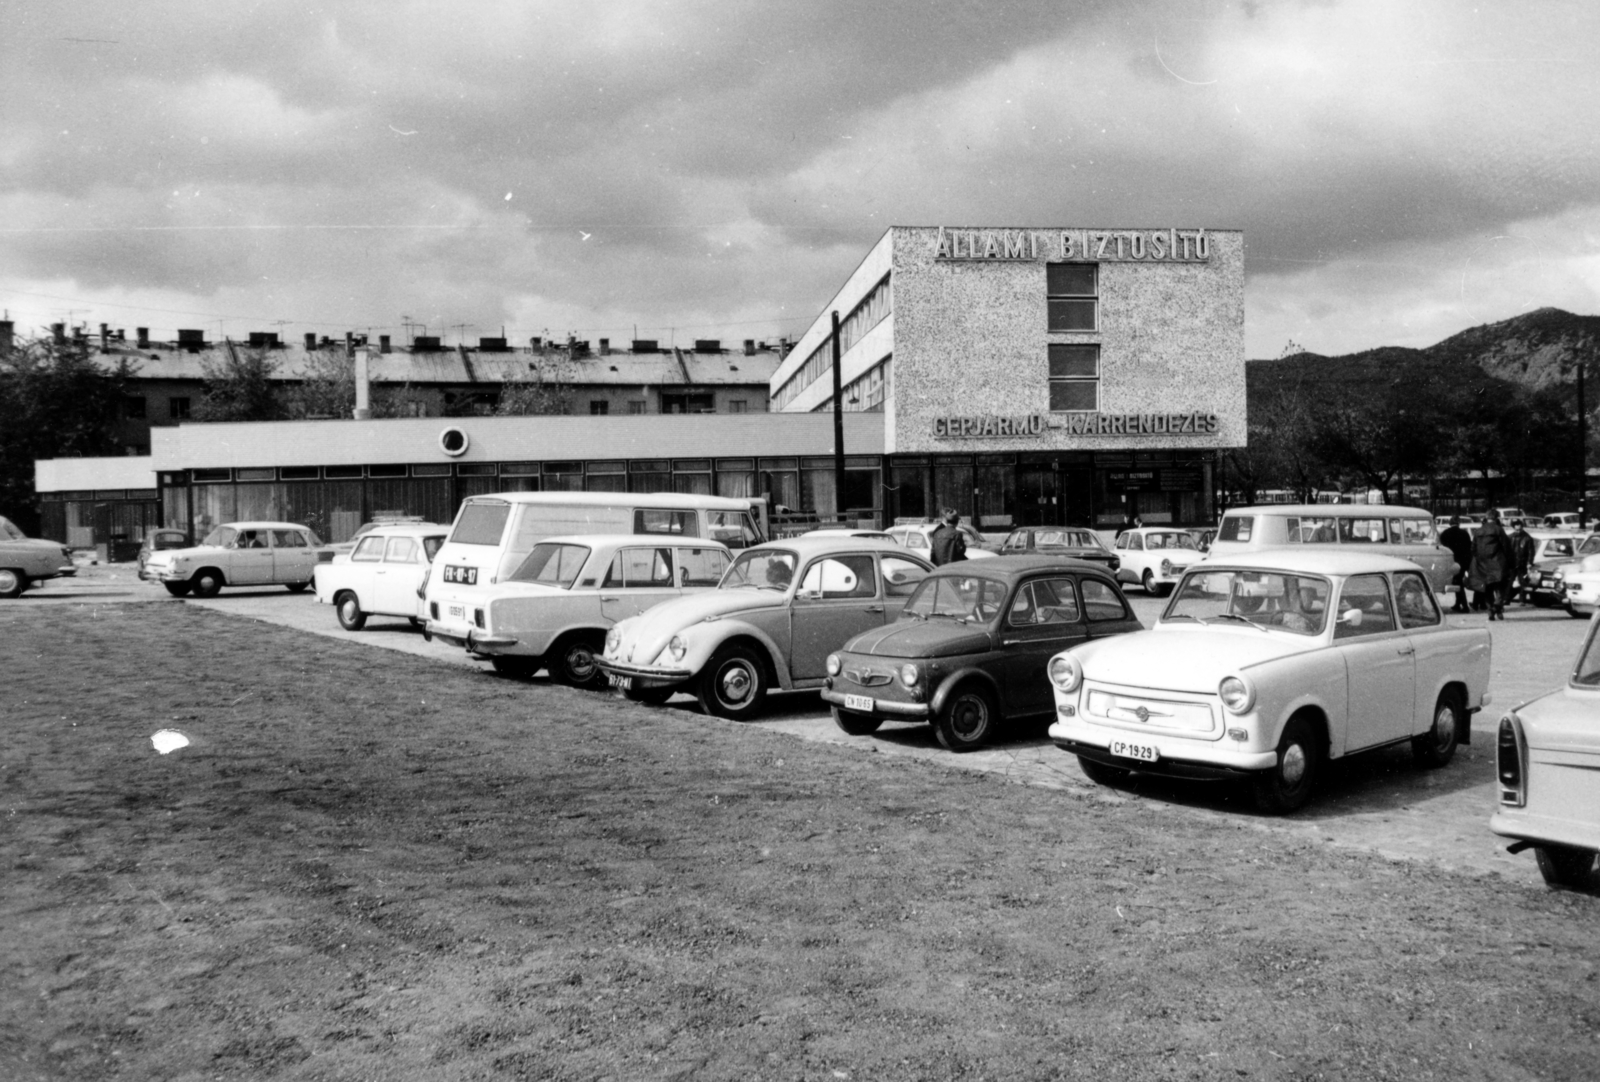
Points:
(351, 618)
(1287, 785)
(1564, 866)
(855, 724)
(1437, 746)
(177, 589)
(297, 587)
(518, 668)
(1575, 614)
(207, 583)
(967, 720)
(1102, 773)
(416, 621)
(12, 582)
(734, 684)
(572, 662)
(648, 696)
(1149, 582)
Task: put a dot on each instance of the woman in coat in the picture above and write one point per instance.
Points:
(1491, 566)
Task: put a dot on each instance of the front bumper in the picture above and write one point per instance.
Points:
(639, 676)
(882, 708)
(1177, 757)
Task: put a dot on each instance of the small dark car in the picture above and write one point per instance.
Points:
(971, 647)
(1073, 542)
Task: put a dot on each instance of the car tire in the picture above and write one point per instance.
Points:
(1437, 746)
(177, 589)
(207, 583)
(12, 582)
(1102, 773)
(517, 668)
(348, 608)
(1287, 786)
(734, 684)
(1565, 866)
(648, 696)
(967, 720)
(297, 587)
(572, 662)
(855, 724)
(1149, 583)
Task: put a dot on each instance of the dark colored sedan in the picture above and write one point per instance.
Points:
(1072, 542)
(971, 646)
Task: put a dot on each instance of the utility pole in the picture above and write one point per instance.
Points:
(1583, 451)
(838, 423)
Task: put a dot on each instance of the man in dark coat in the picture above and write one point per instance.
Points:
(1522, 547)
(948, 544)
(1459, 542)
(1491, 566)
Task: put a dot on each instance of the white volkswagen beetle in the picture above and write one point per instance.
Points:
(1262, 669)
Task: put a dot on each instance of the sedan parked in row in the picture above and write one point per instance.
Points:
(1156, 557)
(239, 554)
(1265, 668)
(1548, 766)
(1067, 542)
(554, 610)
(381, 575)
(971, 647)
(780, 610)
(24, 559)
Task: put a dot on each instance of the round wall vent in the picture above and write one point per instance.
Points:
(453, 442)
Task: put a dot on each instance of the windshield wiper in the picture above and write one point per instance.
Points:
(1242, 620)
(1182, 616)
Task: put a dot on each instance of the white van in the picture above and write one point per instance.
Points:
(493, 534)
(1407, 532)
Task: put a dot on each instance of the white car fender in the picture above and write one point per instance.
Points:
(1286, 685)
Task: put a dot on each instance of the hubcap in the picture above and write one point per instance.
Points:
(580, 662)
(1443, 724)
(1294, 764)
(8, 581)
(736, 684)
(348, 610)
(969, 717)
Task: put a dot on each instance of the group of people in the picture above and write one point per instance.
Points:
(1494, 565)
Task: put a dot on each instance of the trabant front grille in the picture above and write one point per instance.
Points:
(868, 678)
(1189, 718)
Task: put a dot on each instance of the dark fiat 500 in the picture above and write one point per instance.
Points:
(971, 646)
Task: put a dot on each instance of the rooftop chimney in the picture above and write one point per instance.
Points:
(143, 335)
(8, 332)
(363, 409)
(311, 342)
(383, 344)
(708, 345)
(605, 347)
(58, 332)
(749, 347)
(105, 338)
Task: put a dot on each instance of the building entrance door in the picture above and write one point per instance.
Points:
(1037, 501)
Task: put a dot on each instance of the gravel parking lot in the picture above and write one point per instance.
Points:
(1378, 803)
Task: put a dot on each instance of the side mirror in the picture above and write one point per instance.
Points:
(1350, 617)
(808, 595)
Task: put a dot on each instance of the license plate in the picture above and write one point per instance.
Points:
(621, 683)
(862, 703)
(1145, 753)
(466, 576)
(458, 612)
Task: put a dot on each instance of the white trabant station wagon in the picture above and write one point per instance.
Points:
(1263, 668)
(1406, 532)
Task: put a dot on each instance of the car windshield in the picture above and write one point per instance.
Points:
(1075, 539)
(960, 597)
(1587, 672)
(761, 569)
(7, 530)
(481, 523)
(1170, 539)
(1590, 546)
(1266, 599)
(551, 564)
(221, 537)
(431, 545)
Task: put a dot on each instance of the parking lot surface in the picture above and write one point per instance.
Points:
(1378, 802)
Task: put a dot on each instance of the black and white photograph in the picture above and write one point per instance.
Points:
(805, 541)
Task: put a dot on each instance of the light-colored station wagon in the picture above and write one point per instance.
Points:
(240, 554)
(1406, 532)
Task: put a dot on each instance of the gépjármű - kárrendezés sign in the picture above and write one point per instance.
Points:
(1075, 424)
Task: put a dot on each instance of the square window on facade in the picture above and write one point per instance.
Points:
(636, 406)
(1072, 291)
(133, 407)
(738, 405)
(1074, 378)
(178, 409)
(599, 407)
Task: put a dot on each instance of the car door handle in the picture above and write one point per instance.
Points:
(873, 608)
(1405, 650)
(603, 597)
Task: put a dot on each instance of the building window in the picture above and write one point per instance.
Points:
(1073, 292)
(688, 403)
(1074, 378)
(636, 406)
(738, 405)
(133, 407)
(178, 409)
(599, 407)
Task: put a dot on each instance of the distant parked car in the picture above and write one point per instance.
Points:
(917, 538)
(1267, 665)
(339, 551)
(779, 611)
(1548, 765)
(239, 554)
(160, 540)
(1552, 551)
(1067, 542)
(1570, 521)
(25, 560)
(1156, 557)
(971, 645)
(1510, 516)
(381, 575)
(1407, 532)
(554, 610)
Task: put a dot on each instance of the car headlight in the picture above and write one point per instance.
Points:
(613, 641)
(676, 648)
(834, 665)
(909, 675)
(1166, 567)
(1238, 695)
(1065, 672)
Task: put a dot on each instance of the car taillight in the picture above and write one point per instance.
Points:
(433, 609)
(477, 618)
(1511, 760)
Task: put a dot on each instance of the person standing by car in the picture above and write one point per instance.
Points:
(1491, 567)
(1459, 542)
(948, 544)
(1521, 563)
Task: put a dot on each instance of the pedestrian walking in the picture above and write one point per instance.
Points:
(1491, 566)
(1517, 587)
(948, 544)
(1459, 542)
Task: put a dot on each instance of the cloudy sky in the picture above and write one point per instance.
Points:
(1403, 169)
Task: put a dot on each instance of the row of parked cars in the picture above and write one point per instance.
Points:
(1271, 659)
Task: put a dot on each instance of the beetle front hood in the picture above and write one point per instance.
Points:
(645, 635)
(911, 638)
(1185, 657)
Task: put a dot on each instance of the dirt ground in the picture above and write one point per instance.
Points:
(373, 865)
